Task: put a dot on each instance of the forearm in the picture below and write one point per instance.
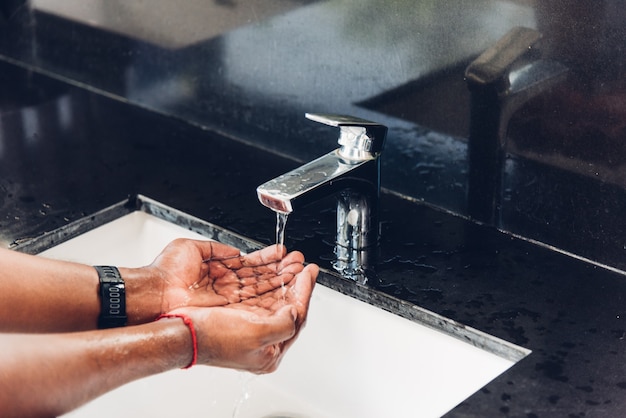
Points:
(48, 375)
(37, 294)
(43, 295)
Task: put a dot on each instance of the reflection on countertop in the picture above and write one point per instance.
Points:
(568, 312)
(141, 107)
(396, 63)
(165, 23)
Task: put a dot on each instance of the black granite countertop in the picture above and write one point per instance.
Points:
(67, 152)
(90, 115)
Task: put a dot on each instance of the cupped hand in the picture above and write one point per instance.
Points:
(255, 333)
(208, 273)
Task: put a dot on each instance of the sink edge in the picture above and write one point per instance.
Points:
(326, 278)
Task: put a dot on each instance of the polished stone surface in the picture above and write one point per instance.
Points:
(76, 152)
(255, 74)
(186, 126)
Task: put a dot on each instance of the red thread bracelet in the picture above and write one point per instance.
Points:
(194, 339)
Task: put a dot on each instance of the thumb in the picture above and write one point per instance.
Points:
(280, 326)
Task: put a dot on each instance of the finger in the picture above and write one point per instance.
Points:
(280, 327)
(271, 357)
(216, 250)
(267, 255)
(302, 290)
(296, 292)
(291, 268)
(305, 284)
(294, 257)
(289, 342)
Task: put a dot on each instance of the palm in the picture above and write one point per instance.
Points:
(197, 273)
(254, 333)
(295, 293)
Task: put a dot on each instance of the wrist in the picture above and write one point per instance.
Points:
(144, 294)
(187, 321)
(154, 347)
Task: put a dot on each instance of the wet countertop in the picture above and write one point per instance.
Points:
(66, 152)
(250, 72)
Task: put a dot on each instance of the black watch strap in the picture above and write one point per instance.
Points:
(112, 297)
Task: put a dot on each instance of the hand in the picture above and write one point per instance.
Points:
(208, 273)
(254, 333)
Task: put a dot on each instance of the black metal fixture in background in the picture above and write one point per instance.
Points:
(501, 80)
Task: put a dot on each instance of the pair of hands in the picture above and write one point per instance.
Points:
(246, 309)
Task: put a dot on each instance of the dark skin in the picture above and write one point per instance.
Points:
(246, 311)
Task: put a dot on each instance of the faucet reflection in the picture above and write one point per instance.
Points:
(352, 172)
(501, 80)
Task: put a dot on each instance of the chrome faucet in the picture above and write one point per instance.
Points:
(501, 80)
(352, 172)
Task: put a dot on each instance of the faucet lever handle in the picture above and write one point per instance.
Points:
(360, 139)
(495, 62)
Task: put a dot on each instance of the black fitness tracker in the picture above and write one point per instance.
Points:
(112, 298)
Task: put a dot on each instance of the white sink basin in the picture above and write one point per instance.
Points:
(351, 360)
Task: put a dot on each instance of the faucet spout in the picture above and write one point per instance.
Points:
(351, 171)
(319, 178)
